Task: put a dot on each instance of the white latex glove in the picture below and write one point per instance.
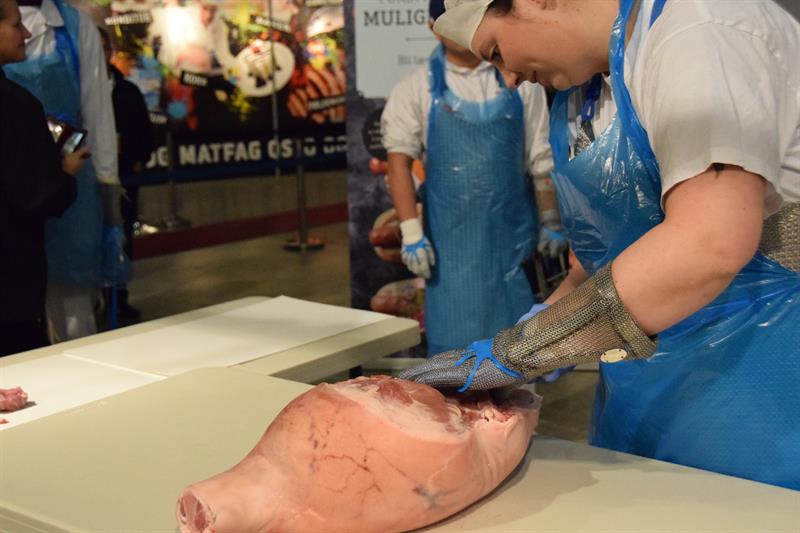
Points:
(417, 252)
(552, 241)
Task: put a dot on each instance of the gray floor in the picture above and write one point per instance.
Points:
(171, 284)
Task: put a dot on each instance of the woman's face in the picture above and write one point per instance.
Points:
(538, 43)
(12, 33)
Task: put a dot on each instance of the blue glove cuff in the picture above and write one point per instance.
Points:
(481, 351)
(553, 234)
(411, 248)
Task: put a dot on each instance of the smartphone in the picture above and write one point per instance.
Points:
(67, 137)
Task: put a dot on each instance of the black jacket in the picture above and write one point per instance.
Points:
(133, 123)
(33, 188)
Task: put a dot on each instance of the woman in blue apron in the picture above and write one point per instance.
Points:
(73, 241)
(717, 387)
(478, 212)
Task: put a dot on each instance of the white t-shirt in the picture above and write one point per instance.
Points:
(717, 82)
(404, 123)
(96, 105)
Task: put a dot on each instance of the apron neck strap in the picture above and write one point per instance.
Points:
(658, 7)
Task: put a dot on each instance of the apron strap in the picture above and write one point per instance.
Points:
(592, 95)
(65, 42)
(437, 82)
(658, 7)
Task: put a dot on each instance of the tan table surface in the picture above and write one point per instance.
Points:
(307, 363)
(119, 463)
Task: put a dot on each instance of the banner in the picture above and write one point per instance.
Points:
(385, 39)
(392, 39)
(233, 82)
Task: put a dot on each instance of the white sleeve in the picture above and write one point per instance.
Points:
(709, 94)
(96, 106)
(538, 155)
(403, 119)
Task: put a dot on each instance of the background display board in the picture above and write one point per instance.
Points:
(233, 82)
(385, 40)
(392, 39)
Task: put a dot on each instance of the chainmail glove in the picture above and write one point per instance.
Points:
(555, 374)
(589, 324)
(457, 368)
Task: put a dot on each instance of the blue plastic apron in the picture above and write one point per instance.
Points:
(721, 391)
(479, 215)
(73, 240)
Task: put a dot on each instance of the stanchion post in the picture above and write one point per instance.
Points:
(303, 242)
(173, 220)
(276, 133)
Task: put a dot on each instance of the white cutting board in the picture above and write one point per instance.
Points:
(228, 338)
(57, 382)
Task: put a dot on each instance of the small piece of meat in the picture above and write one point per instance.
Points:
(372, 454)
(12, 399)
(392, 304)
(385, 236)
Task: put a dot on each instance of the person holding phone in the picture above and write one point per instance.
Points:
(65, 69)
(36, 183)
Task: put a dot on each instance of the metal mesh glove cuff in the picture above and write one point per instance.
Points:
(780, 238)
(581, 327)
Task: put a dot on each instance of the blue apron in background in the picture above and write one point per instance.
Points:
(479, 215)
(721, 391)
(73, 241)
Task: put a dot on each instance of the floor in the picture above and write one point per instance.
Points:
(176, 283)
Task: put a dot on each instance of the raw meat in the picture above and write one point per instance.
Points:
(12, 399)
(367, 455)
(385, 236)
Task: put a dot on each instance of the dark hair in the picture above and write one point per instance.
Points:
(435, 8)
(500, 7)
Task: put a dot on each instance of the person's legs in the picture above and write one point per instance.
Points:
(70, 311)
(130, 215)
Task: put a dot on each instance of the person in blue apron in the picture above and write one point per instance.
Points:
(479, 216)
(65, 69)
(678, 176)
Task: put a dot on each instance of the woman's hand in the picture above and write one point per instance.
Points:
(73, 163)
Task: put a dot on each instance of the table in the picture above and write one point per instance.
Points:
(226, 334)
(309, 362)
(119, 464)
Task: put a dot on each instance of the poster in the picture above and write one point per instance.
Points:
(379, 280)
(230, 84)
(392, 35)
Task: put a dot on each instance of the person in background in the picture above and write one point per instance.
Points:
(36, 183)
(66, 70)
(676, 141)
(479, 139)
(135, 143)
